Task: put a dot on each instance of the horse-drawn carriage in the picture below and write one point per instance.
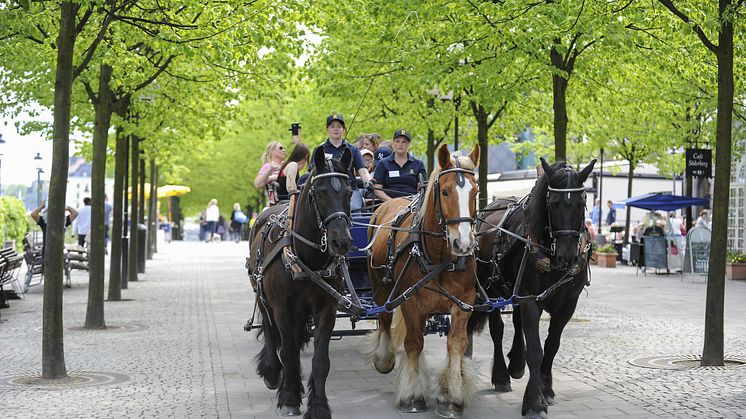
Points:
(421, 256)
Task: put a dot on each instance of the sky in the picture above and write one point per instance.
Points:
(18, 152)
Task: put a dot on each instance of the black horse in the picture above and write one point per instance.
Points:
(543, 266)
(282, 263)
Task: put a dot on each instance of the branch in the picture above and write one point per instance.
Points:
(83, 20)
(497, 114)
(92, 48)
(150, 79)
(697, 29)
(91, 93)
(623, 7)
(577, 18)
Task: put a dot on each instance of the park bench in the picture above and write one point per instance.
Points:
(11, 265)
(76, 257)
(32, 255)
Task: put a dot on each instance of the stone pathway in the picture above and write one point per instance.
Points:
(177, 348)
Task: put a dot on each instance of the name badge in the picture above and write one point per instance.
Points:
(328, 156)
(393, 173)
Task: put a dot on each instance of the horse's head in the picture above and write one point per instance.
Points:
(563, 211)
(329, 193)
(455, 193)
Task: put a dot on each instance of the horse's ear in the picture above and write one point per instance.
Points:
(319, 159)
(547, 168)
(347, 159)
(444, 157)
(583, 175)
(474, 155)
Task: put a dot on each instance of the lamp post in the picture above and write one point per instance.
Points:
(39, 171)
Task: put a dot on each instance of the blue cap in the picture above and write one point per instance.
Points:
(335, 117)
(382, 152)
(403, 133)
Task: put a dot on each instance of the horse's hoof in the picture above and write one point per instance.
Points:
(286, 411)
(449, 410)
(384, 367)
(516, 371)
(414, 406)
(503, 388)
(270, 385)
(536, 415)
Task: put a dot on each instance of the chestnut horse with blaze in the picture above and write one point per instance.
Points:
(427, 264)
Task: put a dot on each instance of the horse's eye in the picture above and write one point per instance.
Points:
(445, 193)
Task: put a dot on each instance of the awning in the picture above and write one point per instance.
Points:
(664, 202)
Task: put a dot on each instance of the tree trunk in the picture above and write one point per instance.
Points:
(152, 202)
(559, 104)
(430, 153)
(94, 316)
(630, 177)
(53, 351)
(713, 351)
(480, 114)
(125, 209)
(141, 214)
(134, 179)
(115, 263)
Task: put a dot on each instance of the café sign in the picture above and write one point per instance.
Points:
(699, 162)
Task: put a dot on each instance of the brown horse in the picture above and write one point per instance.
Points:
(427, 263)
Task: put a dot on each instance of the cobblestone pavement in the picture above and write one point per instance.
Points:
(176, 348)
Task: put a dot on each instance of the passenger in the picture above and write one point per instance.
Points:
(290, 170)
(272, 159)
(399, 174)
(367, 142)
(334, 147)
(368, 157)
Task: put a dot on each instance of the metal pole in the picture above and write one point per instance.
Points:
(38, 187)
(600, 192)
(457, 102)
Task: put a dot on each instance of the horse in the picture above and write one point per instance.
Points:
(431, 236)
(546, 227)
(292, 270)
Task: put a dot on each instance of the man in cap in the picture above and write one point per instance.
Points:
(399, 174)
(334, 147)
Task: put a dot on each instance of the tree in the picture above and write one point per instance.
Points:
(713, 351)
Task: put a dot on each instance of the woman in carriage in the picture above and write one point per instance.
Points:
(400, 173)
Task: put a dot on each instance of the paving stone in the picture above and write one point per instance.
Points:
(181, 344)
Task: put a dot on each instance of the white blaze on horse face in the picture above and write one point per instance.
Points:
(464, 228)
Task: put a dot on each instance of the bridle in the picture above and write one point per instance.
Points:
(460, 181)
(336, 185)
(554, 233)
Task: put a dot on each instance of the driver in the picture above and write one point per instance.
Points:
(335, 146)
(398, 174)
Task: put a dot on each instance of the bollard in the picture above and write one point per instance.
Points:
(142, 235)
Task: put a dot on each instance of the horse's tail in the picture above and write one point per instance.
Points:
(398, 329)
(267, 364)
(476, 322)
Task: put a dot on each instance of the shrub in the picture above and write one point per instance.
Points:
(13, 220)
(736, 257)
(606, 248)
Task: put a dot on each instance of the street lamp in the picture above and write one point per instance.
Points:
(39, 171)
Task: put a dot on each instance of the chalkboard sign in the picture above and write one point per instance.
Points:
(698, 252)
(656, 252)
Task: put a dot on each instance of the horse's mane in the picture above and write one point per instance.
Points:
(536, 212)
(465, 163)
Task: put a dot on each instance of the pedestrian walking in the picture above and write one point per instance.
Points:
(212, 216)
(83, 221)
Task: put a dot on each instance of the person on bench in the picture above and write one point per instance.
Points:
(38, 218)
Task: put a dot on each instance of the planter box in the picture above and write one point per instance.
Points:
(735, 270)
(606, 260)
